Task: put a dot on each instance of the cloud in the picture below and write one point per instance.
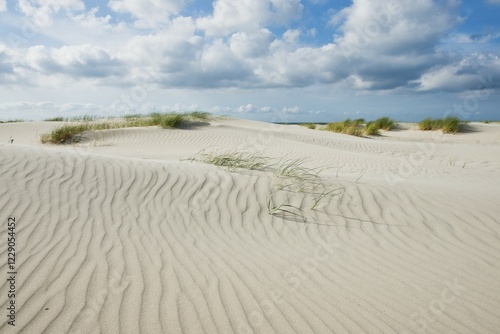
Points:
(42, 110)
(475, 72)
(42, 12)
(3, 5)
(379, 45)
(219, 65)
(494, 2)
(179, 57)
(462, 38)
(251, 45)
(291, 110)
(252, 109)
(148, 12)
(302, 67)
(82, 61)
(389, 44)
(5, 60)
(382, 27)
(168, 50)
(248, 15)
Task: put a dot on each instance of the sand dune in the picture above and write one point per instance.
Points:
(117, 235)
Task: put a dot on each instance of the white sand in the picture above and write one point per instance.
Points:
(117, 235)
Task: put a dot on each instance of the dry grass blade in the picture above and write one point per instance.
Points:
(233, 160)
(291, 178)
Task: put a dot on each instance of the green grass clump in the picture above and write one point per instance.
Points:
(448, 124)
(167, 121)
(200, 115)
(347, 126)
(68, 133)
(425, 124)
(372, 129)
(356, 128)
(311, 126)
(65, 134)
(436, 124)
(384, 123)
(451, 125)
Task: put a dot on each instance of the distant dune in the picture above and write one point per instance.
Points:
(119, 234)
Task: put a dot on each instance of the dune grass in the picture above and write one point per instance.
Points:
(200, 115)
(55, 119)
(358, 128)
(69, 133)
(17, 120)
(290, 178)
(293, 177)
(311, 126)
(348, 127)
(81, 118)
(373, 128)
(448, 124)
(233, 160)
(165, 121)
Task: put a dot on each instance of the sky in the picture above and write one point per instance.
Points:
(269, 60)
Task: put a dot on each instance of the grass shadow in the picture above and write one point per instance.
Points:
(190, 125)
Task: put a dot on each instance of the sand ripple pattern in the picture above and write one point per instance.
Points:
(122, 245)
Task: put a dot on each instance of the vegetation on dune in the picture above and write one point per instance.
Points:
(82, 118)
(371, 129)
(349, 127)
(311, 126)
(165, 120)
(356, 127)
(69, 133)
(383, 123)
(292, 181)
(55, 119)
(14, 121)
(200, 115)
(64, 134)
(232, 160)
(449, 124)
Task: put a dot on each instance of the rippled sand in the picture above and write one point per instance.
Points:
(117, 235)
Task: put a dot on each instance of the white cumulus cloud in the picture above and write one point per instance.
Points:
(148, 12)
(475, 72)
(42, 12)
(81, 61)
(231, 16)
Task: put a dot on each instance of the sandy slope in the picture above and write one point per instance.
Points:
(117, 235)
